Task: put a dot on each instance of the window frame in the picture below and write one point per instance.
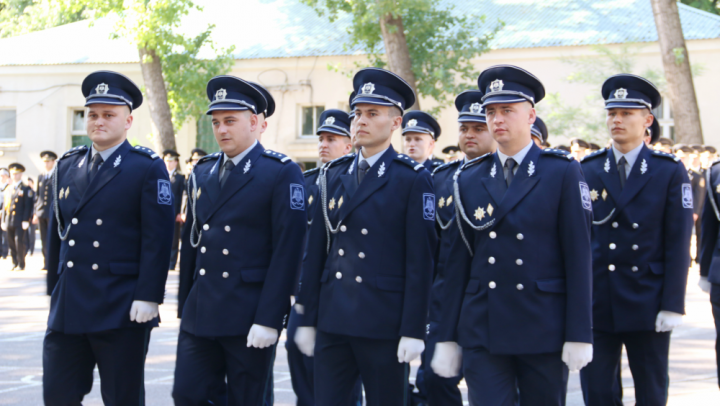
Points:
(14, 138)
(316, 118)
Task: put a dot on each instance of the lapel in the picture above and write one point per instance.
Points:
(371, 183)
(107, 171)
(522, 183)
(79, 174)
(611, 179)
(496, 185)
(637, 180)
(237, 180)
(349, 180)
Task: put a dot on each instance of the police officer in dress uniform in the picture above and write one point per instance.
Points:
(475, 140)
(367, 275)
(518, 276)
(110, 237)
(177, 181)
(539, 132)
(420, 133)
(246, 222)
(265, 114)
(642, 204)
(18, 210)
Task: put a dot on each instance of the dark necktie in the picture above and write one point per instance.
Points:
(229, 165)
(510, 165)
(363, 167)
(621, 169)
(95, 165)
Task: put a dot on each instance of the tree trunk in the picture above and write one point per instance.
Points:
(396, 50)
(676, 62)
(157, 100)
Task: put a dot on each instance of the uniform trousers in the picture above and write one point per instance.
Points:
(69, 361)
(715, 302)
(341, 359)
(175, 250)
(204, 363)
(16, 243)
(439, 390)
(498, 380)
(43, 225)
(647, 353)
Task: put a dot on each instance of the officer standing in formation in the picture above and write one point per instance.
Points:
(110, 238)
(17, 213)
(177, 183)
(246, 222)
(539, 132)
(420, 131)
(43, 210)
(367, 274)
(265, 114)
(474, 140)
(518, 276)
(4, 183)
(642, 203)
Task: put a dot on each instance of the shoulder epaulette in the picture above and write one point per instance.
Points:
(666, 155)
(280, 157)
(209, 157)
(340, 160)
(76, 150)
(600, 152)
(557, 153)
(311, 172)
(446, 166)
(409, 162)
(475, 161)
(145, 151)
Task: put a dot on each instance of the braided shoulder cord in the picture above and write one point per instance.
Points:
(56, 204)
(192, 200)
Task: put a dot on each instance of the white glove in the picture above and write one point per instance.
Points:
(667, 321)
(305, 340)
(299, 309)
(261, 336)
(142, 312)
(447, 359)
(25, 225)
(577, 355)
(409, 349)
(3, 226)
(704, 284)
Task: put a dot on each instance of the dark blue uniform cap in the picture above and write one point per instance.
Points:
(107, 87)
(268, 98)
(469, 107)
(334, 121)
(230, 93)
(539, 129)
(417, 121)
(628, 91)
(509, 84)
(654, 131)
(351, 114)
(382, 87)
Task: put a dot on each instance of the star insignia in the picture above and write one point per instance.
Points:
(331, 205)
(593, 195)
(479, 213)
(441, 202)
(490, 209)
(310, 200)
(67, 192)
(604, 194)
(62, 193)
(340, 202)
(448, 202)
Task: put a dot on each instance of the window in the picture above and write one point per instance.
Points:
(78, 130)
(205, 138)
(309, 119)
(7, 124)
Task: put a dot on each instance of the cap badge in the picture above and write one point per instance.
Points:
(621, 93)
(220, 94)
(102, 88)
(330, 120)
(368, 88)
(475, 108)
(496, 85)
(412, 123)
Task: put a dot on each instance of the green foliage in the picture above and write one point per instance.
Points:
(710, 6)
(441, 42)
(23, 16)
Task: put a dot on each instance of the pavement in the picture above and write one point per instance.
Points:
(24, 309)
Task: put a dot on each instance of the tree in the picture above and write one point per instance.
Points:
(676, 63)
(437, 59)
(173, 75)
(711, 6)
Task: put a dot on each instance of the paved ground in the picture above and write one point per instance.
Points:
(24, 307)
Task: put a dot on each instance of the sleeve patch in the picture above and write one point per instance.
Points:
(297, 197)
(429, 206)
(164, 192)
(585, 196)
(687, 196)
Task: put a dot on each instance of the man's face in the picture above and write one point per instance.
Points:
(171, 164)
(332, 146)
(4, 178)
(31, 183)
(107, 124)
(49, 165)
(628, 126)
(418, 146)
(475, 139)
(705, 159)
(16, 176)
(375, 124)
(234, 130)
(261, 127)
(509, 122)
(685, 157)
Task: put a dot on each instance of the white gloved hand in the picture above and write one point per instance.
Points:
(305, 340)
(447, 359)
(667, 321)
(3, 226)
(409, 349)
(704, 284)
(25, 225)
(577, 355)
(299, 309)
(142, 311)
(261, 336)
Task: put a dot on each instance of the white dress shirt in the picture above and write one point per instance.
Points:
(630, 158)
(517, 157)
